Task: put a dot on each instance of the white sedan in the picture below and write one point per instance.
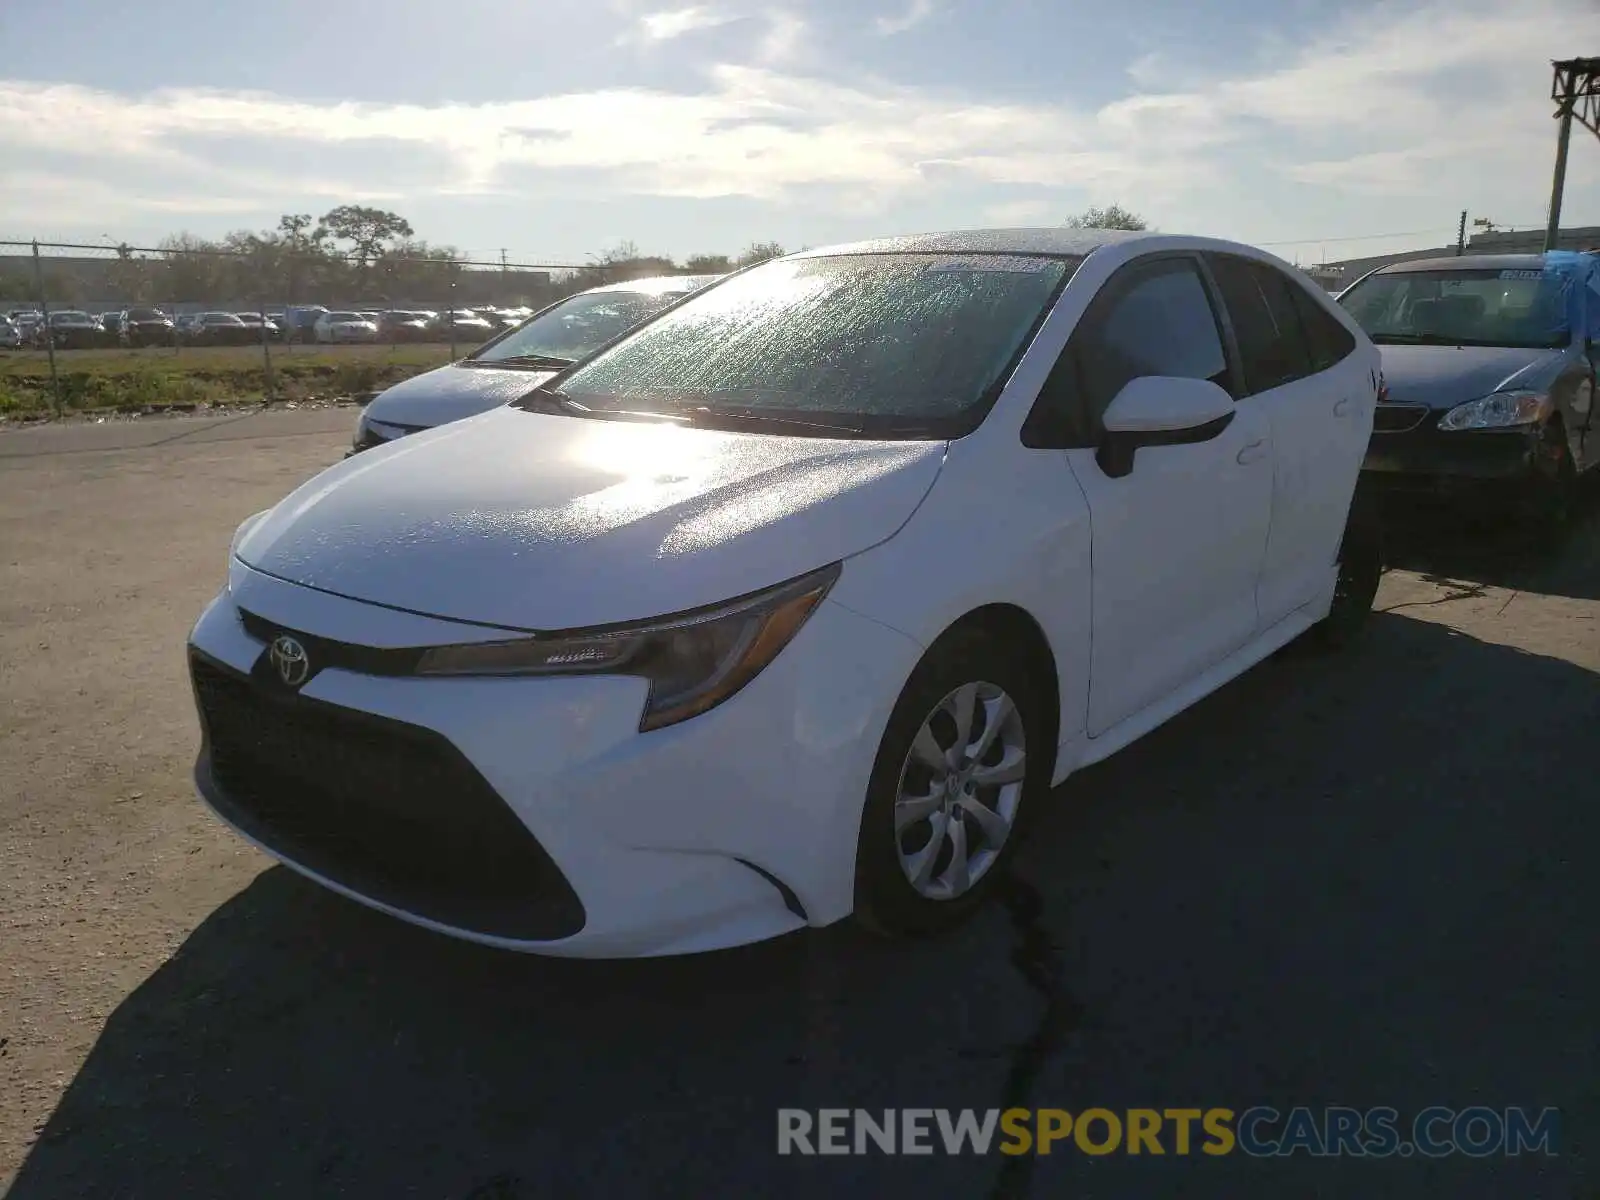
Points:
(334, 327)
(792, 605)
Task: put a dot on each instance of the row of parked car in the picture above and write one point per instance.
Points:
(75, 329)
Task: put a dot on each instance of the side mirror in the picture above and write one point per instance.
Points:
(1160, 410)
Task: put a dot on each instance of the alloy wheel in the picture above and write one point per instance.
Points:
(960, 788)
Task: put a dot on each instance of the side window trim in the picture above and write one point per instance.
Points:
(1044, 430)
(1238, 381)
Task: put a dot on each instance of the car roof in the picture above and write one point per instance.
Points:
(1467, 262)
(656, 283)
(1058, 240)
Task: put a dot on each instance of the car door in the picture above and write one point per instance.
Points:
(1297, 364)
(1177, 542)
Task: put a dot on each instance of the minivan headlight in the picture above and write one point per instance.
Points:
(1499, 411)
(693, 662)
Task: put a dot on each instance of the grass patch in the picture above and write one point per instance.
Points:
(158, 377)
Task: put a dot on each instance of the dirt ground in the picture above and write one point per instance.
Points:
(1363, 880)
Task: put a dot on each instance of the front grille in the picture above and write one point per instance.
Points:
(324, 652)
(389, 810)
(1398, 418)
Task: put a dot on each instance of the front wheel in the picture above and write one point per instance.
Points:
(1553, 491)
(966, 754)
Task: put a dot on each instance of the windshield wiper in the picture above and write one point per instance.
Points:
(547, 361)
(805, 420)
(1416, 339)
(549, 399)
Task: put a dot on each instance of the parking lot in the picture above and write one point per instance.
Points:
(1362, 880)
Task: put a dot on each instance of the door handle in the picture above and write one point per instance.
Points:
(1252, 452)
(1342, 406)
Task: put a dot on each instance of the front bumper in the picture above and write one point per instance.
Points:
(732, 827)
(1423, 456)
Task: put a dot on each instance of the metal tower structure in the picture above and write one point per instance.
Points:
(1576, 92)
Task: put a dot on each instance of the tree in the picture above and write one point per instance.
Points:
(196, 273)
(306, 261)
(759, 252)
(708, 264)
(1113, 216)
(131, 279)
(368, 230)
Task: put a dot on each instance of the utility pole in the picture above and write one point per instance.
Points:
(1575, 79)
(503, 267)
(1552, 231)
(1461, 235)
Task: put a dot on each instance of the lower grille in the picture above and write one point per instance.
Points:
(1398, 418)
(389, 810)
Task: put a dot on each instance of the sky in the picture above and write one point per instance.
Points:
(555, 130)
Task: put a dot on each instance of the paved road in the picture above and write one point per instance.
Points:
(1362, 880)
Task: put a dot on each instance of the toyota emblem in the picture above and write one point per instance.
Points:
(290, 660)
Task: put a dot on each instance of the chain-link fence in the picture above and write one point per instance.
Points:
(90, 322)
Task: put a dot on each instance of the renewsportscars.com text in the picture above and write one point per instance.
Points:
(1259, 1132)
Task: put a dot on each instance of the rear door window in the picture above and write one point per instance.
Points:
(1330, 342)
(1273, 348)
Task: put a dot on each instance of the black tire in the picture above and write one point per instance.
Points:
(1552, 494)
(1361, 566)
(885, 900)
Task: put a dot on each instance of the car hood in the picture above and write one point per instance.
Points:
(450, 393)
(1444, 376)
(537, 521)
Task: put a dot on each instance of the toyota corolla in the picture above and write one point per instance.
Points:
(792, 605)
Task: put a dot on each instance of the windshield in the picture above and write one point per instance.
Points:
(69, 317)
(145, 314)
(345, 317)
(578, 325)
(891, 344)
(1463, 308)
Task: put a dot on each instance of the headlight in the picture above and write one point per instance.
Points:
(693, 662)
(370, 432)
(1499, 411)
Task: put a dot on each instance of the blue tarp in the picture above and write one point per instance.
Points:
(1579, 292)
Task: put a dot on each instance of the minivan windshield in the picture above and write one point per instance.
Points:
(888, 345)
(576, 326)
(1466, 307)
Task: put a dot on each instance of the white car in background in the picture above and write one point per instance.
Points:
(519, 359)
(793, 603)
(336, 327)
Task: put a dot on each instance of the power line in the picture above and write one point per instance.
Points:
(1359, 237)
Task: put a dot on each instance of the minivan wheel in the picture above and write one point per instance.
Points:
(962, 760)
(1361, 564)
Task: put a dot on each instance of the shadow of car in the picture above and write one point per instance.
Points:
(1337, 909)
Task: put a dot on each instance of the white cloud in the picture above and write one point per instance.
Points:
(916, 14)
(1023, 213)
(672, 23)
(784, 39)
(1441, 107)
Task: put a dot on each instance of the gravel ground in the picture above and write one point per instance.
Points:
(1358, 880)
